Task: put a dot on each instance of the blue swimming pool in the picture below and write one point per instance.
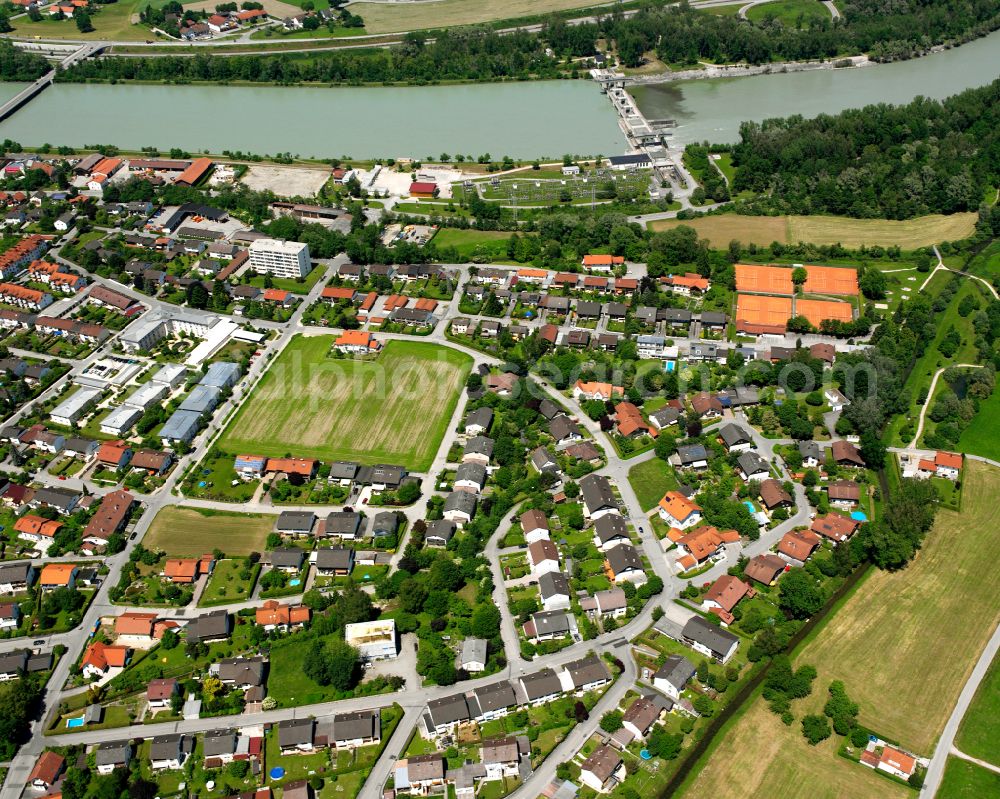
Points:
(750, 506)
(202, 484)
(859, 516)
(294, 581)
(74, 723)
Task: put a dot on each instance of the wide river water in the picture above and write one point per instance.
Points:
(523, 120)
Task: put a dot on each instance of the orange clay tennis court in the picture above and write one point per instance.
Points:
(818, 310)
(831, 280)
(778, 280)
(764, 279)
(758, 314)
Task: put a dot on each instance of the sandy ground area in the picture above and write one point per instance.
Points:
(273, 7)
(286, 181)
(397, 184)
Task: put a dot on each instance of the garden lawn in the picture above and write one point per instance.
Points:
(965, 780)
(651, 480)
(225, 585)
(195, 531)
(391, 410)
(979, 735)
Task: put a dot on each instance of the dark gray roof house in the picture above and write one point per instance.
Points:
(361, 724)
(471, 473)
(480, 446)
(611, 528)
(478, 422)
(541, 685)
(113, 754)
(562, 428)
(548, 409)
(342, 523)
(439, 533)
(552, 585)
(587, 671)
(705, 636)
(676, 670)
(733, 435)
(597, 494)
(334, 559)
(243, 672)
(212, 626)
(296, 733)
(461, 504)
(287, 558)
(218, 743)
(490, 698)
(543, 460)
(344, 470)
(385, 524)
(448, 710)
(297, 522)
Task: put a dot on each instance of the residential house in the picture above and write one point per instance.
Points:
(374, 640)
(57, 575)
(564, 430)
(46, 771)
(609, 602)
(274, 616)
(501, 757)
(598, 496)
(214, 626)
(673, 676)
(735, 438)
(460, 507)
(692, 456)
(295, 522)
(810, 452)
(835, 527)
(543, 556)
(835, 399)
(439, 533)
(798, 545)
(296, 735)
(547, 625)
(706, 405)
(752, 466)
(160, 691)
(470, 477)
(623, 564)
(603, 770)
(664, 417)
(724, 595)
(478, 449)
(641, 715)
(287, 559)
(336, 561)
(421, 775)
(585, 674)
(111, 755)
(709, 639)
(343, 524)
(765, 569)
(535, 525)
(444, 714)
(359, 728)
(16, 577)
(479, 421)
(554, 590)
(610, 531)
(678, 511)
(474, 655)
(846, 454)
(167, 752)
(541, 686)
(843, 493)
(773, 495)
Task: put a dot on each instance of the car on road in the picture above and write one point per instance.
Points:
(38, 642)
(133, 537)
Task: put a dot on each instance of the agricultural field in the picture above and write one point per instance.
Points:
(395, 17)
(760, 756)
(876, 643)
(979, 735)
(394, 409)
(762, 230)
(192, 532)
(965, 780)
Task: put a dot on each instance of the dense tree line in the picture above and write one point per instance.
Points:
(452, 55)
(879, 161)
(19, 65)
(679, 34)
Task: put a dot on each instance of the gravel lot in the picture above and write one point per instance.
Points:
(286, 181)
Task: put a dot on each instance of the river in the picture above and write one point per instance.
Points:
(523, 120)
(712, 109)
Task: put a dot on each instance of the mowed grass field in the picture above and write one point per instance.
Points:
(190, 532)
(760, 756)
(979, 735)
(789, 11)
(965, 780)
(762, 230)
(982, 436)
(391, 410)
(895, 636)
(394, 17)
(651, 480)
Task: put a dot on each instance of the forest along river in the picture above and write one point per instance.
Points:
(523, 120)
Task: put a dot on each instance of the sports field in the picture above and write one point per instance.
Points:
(391, 410)
(190, 532)
(897, 634)
(393, 17)
(762, 230)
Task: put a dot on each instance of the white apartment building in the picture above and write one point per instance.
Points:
(280, 258)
